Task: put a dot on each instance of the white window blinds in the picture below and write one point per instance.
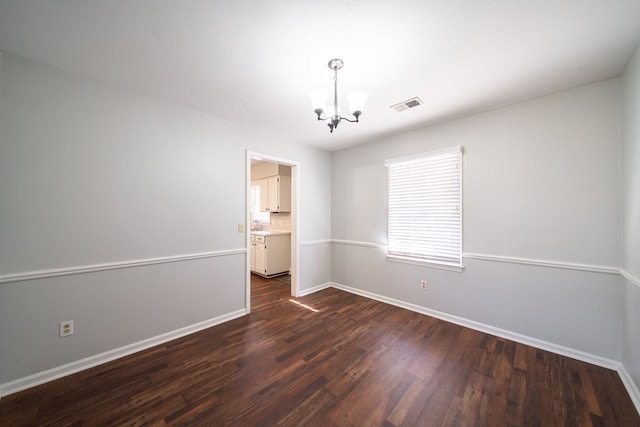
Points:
(425, 207)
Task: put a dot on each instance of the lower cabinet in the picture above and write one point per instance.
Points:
(260, 263)
(252, 252)
(270, 255)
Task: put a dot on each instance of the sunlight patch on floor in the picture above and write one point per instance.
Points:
(304, 305)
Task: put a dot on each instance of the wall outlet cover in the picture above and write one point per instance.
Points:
(66, 328)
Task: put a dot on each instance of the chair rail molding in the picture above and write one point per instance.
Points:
(66, 271)
(514, 260)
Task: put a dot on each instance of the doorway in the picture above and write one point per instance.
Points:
(259, 166)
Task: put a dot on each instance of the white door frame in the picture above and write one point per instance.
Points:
(295, 191)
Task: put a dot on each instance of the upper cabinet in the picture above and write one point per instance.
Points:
(279, 194)
(274, 191)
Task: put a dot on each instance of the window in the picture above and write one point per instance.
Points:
(255, 213)
(425, 208)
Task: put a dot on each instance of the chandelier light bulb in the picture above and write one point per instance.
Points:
(318, 100)
(356, 101)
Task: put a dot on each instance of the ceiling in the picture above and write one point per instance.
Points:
(255, 61)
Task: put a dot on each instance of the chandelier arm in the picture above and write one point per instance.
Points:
(356, 120)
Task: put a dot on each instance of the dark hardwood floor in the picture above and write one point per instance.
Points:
(331, 359)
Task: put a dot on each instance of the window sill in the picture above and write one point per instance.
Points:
(424, 263)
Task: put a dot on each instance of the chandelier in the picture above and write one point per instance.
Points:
(332, 112)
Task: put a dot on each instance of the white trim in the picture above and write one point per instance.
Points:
(457, 149)
(512, 260)
(318, 288)
(626, 378)
(544, 263)
(425, 263)
(354, 243)
(110, 355)
(631, 387)
(630, 277)
(66, 271)
(316, 242)
(503, 333)
(295, 219)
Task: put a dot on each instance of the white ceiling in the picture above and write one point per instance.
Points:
(255, 61)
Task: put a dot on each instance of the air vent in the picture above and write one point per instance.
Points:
(405, 105)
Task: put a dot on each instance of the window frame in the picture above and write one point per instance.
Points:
(454, 263)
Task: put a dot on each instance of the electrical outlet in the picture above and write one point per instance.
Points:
(423, 284)
(66, 328)
(240, 228)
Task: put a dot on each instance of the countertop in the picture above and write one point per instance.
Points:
(269, 232)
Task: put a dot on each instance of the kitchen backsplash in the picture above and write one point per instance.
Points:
(279, 221)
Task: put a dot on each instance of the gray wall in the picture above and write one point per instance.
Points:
(92, 175)
(631, 215)
(541, 187)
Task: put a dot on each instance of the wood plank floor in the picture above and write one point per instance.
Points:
(331, 359)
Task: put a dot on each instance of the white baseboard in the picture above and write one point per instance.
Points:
(630, 385)
(314, 289)
(89, 362)
(98, 359)
(628, 382)
(503, 333)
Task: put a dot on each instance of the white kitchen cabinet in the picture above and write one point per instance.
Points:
(279, 194)
(272, 254)
(252, 252)
(274, 193)
(260, 263)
